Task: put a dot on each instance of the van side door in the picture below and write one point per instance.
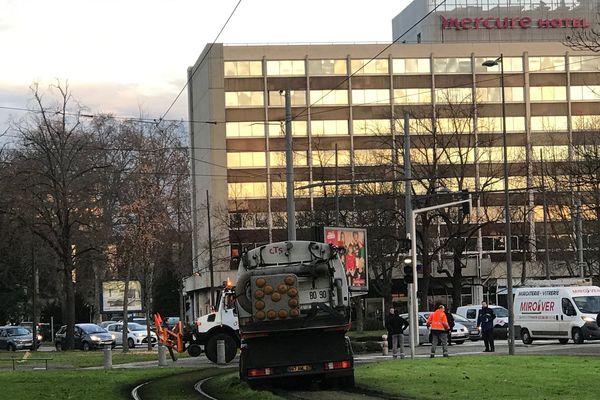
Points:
(568, 316)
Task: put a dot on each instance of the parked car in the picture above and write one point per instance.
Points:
(87, 337)
(500, 322)
(43, 330)
(474, 332)
(137, 334)
(459, 333)
(15, 338)
(423, 329)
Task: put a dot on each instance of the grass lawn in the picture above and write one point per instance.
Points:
(358, 335)
(229, 387)
(77, 359)
(500, 377)
(63, 384)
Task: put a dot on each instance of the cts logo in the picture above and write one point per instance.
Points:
(276, 250)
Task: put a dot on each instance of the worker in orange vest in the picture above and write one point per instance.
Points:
(438, 323)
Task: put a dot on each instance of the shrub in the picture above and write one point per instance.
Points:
(373, 346)
(372, 324)
(358, 347)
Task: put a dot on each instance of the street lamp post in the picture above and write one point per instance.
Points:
(508, 243)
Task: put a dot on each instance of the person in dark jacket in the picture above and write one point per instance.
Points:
(486, 322)
(450, 319)
(395, 326)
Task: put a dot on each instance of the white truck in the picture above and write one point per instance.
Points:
(561, 313)
(294, 312)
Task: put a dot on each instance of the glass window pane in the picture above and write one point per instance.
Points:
(453, 95)
(327, 67)
(369, 67)
(371, 127)
(548, 123)
(245, 129)
(371, 96)
(244, 99)
(412, 96)
(546, 64)
(452, 65)
(329, 97)
(285, 68)
(243, 68)
(297, 97)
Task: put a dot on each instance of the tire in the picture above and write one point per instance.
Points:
(58, 346)
(194, 350)
(526, 336)
(130, 343)
(85, 346)
(11, 347)
(230, 347)
(459, 341)
(577, 336)
(563, 341)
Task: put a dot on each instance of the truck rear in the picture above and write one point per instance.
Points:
(293, 310)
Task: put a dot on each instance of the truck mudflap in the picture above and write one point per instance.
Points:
(318, 354)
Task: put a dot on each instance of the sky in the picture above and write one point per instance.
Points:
(128, 57)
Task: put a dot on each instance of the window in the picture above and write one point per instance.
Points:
(299, 128)
(371, 126)
(546, 64)
(496, 154)
(549, 123)
(285, 68)
(246, 159)
(471, 313)
(416, 126)
(243, 68)
(586, 122)
(297, 97)
(452, 65)
(279, 189)
(567, 307)
(584, 63)
(244, 99)
(327, 67)
(494, 94)
(454, 125)
(585, 93)
(548, 93)
(411, 66)
(369, 67)
(511, 64)
(457, 156)
(494, 124)
(247, 190)
(453, 95)
(371, 96)
(328, 97)
(550, 153)
(372, 157)
(277, 158)
(326, 158)
(329, 127)
(245, 129)
(412, 96)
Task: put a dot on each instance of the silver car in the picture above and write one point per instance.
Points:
(15, 338)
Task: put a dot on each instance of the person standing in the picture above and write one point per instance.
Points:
(438, 323)
(486, 322)
(451, 324)
(395, 326)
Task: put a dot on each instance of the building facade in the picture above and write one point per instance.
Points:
(348, 103)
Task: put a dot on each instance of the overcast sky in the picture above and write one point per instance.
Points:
(123, 56)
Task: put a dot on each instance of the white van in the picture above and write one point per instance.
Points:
(472, 313)
(557, 313)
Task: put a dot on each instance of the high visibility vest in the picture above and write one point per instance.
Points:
(437, 320)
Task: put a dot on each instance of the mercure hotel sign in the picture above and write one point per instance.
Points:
(512, 23)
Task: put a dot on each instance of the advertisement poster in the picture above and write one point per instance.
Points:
(354, 240)
(112, 296)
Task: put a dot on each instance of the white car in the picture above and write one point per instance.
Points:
(136, 336)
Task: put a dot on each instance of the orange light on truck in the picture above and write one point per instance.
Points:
(260, 282)
(293, 292)
(282, 288)
(289, 280)
(275, 297)
(294, 313)
(259, 305)
(283, 314)
(268, 289)
(260, 315)
(259, 294)
(337, 365)
(271, 314)
(293, 303)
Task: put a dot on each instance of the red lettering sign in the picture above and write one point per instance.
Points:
(511, 23)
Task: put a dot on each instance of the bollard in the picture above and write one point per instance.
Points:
(162, 355)
(107, 358)
(220, 352)
(384, 345)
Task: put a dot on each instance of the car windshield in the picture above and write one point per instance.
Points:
(460, 319)
(136, 327)
(19, 331)
(500, 312)
(92, 328)
(588, 304)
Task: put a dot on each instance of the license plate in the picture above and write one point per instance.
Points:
(314, 295)
(300, 368)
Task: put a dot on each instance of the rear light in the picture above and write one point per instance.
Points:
(337, 365)
(254, 372)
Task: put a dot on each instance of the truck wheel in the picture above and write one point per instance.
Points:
(194, 350)
(526, 336)
(563, 341)
(211, 347)
(577, 336)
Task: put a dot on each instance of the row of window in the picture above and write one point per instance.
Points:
(449, 65)
(414, 96)
(377, 127)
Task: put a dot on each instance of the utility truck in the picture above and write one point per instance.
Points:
(293, 310)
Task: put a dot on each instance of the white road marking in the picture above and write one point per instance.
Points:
(198, 387)
(134, 392)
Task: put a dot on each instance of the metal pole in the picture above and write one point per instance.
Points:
(414, 318)
(337, 189)
(210, 253)
(289, 168)
(545, 205)
(408, 177)
(579, 231)
(509, 283)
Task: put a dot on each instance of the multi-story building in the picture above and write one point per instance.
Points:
(348, 102)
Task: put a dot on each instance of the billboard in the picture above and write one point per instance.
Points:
(112, 296)
(354, 240)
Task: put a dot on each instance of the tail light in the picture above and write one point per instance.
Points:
(254, 372)
(337, 365)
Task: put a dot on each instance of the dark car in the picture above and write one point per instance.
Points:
(15, 338)
(87, 337)
(474, 332)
